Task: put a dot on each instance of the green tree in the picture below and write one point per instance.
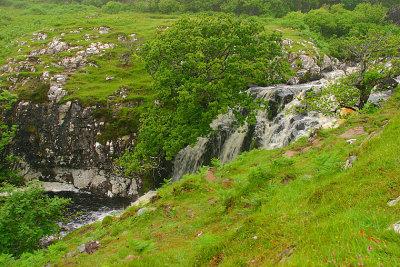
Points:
(375, 54)
(201, 67)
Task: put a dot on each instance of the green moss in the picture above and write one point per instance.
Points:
(34, 91)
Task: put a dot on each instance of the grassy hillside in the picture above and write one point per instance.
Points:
(295, 205)
(88, 84)
(114, 80)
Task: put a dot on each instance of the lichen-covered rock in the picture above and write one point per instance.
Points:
(58, 142)
(327, 64)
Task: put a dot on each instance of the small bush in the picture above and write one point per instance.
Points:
(168, 6)
(107, 221)
(259, 176)
(26, 216)
(112, 7)
(142, 246)
(96, 3)
(36, 11)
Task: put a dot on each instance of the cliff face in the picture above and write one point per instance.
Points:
(58, 142)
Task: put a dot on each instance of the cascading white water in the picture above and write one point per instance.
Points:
(275, 127)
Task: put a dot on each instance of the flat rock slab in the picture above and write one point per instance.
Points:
(353, 132)
(146, 198)
(290, 153)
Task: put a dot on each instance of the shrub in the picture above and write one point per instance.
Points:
(26, 216)
(168, 6)
(96, 3)
(112, 7)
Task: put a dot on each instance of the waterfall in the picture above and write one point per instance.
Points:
(275, 127)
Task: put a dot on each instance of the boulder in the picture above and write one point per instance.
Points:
(307, 62)
(393, 202)
(89, 247)
(145, 199)
(315, 73)
(293, 80)
(377, 98)
(327, 64)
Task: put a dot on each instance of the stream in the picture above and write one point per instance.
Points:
(91, 208)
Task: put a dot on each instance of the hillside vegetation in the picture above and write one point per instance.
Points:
(320, 201)
(297, 205)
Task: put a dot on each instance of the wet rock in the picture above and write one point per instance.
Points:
(145, 199)
(59, 187)
(89, 247)
(378, 98)
(63, 148)
(349, 162)
(274, 127)
(293, 80)
(327, 64)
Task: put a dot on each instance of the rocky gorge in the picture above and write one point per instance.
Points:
(58, 140)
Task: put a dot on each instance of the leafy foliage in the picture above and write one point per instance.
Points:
(200, 68)
(375, 54)
(7, 133)
(26, 216)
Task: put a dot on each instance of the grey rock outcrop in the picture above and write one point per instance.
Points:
(58, 142)
(308, 66)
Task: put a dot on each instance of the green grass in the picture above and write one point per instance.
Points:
(89, 84)
(269, 205)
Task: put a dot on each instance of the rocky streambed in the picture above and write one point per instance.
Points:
(87, 208)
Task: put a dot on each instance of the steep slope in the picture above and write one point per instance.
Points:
(321, 201)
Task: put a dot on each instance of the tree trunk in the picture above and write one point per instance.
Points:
(364, 95)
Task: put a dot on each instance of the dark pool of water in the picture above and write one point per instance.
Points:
(91, 208)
